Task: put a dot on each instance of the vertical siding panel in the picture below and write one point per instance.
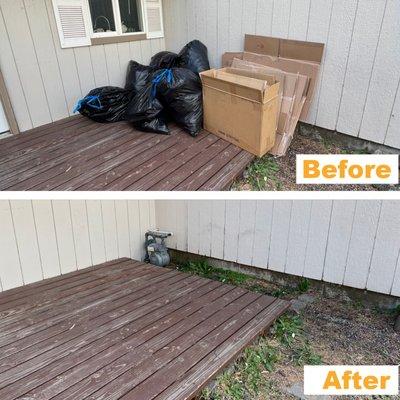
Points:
(222, 29)
(393, 132)
(121, 210)
(361, 60)
(246, 231)
(136, 240)
(205, 212)
(47, 239)
(249, 17)
(181, 225)
(193, 223)
(298, 235)
(279, 235)
(318, 230)
(146, 51)
(386, 250)
(264, 17)
(124, 58)
(361, 243)
(212, 32)
(25, 58)
(281, 18)
(99, 65)
(172, 223)
(44, 47)
(318, 30)
(236, 40)
(25, 233)
(12, 81)
(299, 16)
(66, 62)
(135, 52)
(48, 63)
(396, 281)
(262, 233)
(341, 28)
(81, 233)
(232, 226)
(191, 20)
(65, 236)
(201, 20)
(85, 69)
(113, 66)
(385, 77)
(110, 229)
(338, 241)
(10, 266)
(180, 24)
(96, 233)
(218, 229)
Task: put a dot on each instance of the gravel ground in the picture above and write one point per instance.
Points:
(279, 174)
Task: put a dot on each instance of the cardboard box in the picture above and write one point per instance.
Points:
(297, 60)
(293, 93)
(242, 108)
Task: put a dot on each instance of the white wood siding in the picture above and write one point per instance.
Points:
(352, 243)
(358, 92)
(42, 239)
(45, 81)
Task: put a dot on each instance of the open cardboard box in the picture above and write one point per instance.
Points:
(241, 107)
(292, 57)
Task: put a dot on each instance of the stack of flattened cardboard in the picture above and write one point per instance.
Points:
(295, 65)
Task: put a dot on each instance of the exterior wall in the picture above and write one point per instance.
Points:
(45, 81)
(42, 239)
(351, 243)
(359, 83)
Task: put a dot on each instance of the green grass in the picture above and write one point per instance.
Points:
(249, 377)
(262, 171)
(205, 270)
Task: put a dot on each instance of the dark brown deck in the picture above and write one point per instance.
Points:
(124, 330)
(79, 154)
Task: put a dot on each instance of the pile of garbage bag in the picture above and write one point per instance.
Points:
(168, 89)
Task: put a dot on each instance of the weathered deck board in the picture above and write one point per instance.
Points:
(124, 329)
(79, 154)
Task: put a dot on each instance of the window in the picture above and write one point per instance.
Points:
(90, 22)
(116, 17)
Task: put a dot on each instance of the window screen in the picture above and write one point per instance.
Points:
(130, 16)
(102, 16)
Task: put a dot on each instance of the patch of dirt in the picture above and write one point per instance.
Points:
(278, 174)
(341, 333)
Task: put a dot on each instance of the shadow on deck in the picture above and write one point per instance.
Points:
(79, 154)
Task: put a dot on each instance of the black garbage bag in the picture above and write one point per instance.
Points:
(105, 104)
(138, 76)
(146, 112)
(180, 92)
(164, 59)
(194, 56)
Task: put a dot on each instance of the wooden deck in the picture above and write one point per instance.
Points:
(79, 154)
(124, 330)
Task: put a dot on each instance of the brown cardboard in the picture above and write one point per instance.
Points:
(284, 48)
(243, 115)
(227, 58)
(311, 70)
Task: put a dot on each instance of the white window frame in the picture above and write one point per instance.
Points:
(118, 22)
